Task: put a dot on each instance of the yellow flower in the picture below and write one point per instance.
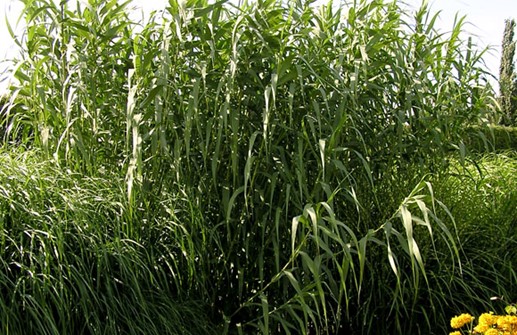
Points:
(512, 319)
(488, 319)
(481, 328)
(507, 322)
(455, 333)
(492, 331)
(461, 320)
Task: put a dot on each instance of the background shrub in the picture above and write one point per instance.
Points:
(492, 138)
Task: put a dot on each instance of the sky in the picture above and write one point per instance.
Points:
(485, 22)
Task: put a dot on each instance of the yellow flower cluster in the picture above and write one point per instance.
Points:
(461, 320)
(488, 324)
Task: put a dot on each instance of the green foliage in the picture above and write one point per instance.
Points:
(73, 81)
(481, 196)
(10, 108)
(72, 263)
(491, 138)
(274, 158)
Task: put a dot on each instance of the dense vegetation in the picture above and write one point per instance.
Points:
(272, 168)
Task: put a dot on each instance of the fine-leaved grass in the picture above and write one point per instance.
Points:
(69, 265)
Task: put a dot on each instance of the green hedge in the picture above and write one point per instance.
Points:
(492, 138)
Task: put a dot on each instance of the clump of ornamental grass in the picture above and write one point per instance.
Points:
(275, 158)
(481, 195)
(72, 263)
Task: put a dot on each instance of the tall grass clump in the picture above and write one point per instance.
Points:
(68, 263)
(276, 156)
(66, 54)
(482, 196)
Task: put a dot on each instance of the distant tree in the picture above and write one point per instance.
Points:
(507, 77)
(3, 124)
